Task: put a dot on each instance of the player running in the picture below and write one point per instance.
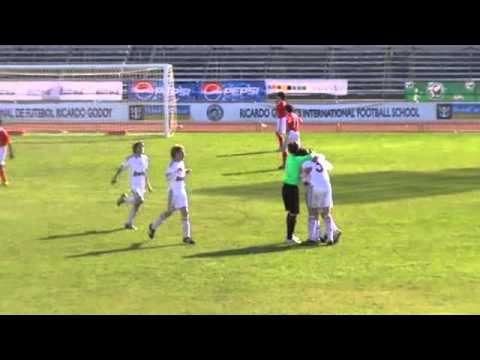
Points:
(137, 164)
(5, 147)
(177, 194)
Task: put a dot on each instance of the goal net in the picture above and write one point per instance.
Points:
(93, 97)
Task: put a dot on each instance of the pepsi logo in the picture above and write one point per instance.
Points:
(143, 90)
(212, 91)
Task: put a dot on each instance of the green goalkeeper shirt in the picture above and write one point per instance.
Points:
(293, 168)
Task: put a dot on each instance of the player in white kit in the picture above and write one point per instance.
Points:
(137, 164)
(177, 194)
(319, 200)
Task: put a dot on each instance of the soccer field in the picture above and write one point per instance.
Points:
(408, 205)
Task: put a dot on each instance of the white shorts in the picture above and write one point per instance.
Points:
(281, 125)
(138, 186)
(318, 198)
(3, 155)
(294, 136)
(177, 200)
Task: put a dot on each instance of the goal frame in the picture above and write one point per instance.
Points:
(31, 72)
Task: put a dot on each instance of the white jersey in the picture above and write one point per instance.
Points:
(318, 177)
(138, 169)
(176, 170)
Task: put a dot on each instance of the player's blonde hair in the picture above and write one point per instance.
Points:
(176, 148)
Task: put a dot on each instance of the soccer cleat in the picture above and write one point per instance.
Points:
(281, 167)
(6, 183)
(312, 242)
(336, 236)
(121, 199)
(151, 231)
(294, 240)
(130, 227)
(323, 239)
(188, 240)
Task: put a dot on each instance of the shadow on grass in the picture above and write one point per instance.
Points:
(132, 247)
(253, 250)
(370, 187)
(251, 172)
(246, 154)
(85, 233)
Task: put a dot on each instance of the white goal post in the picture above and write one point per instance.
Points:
(144, 92)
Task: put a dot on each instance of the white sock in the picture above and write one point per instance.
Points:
(130, 199)
(132, 215)
(159, 221)
(311, 228)
(334, 225)
(318, 230)
(329, 226)
(187, 232)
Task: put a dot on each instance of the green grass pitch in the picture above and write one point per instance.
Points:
(409, 206)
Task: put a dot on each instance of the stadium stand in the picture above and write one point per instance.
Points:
(373, 71)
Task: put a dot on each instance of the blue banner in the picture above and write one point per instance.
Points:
(183, 110)
(466, 108)
(186, 91)
(152, 90)
(231, 91)
(193, 91)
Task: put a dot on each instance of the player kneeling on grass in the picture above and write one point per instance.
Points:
(5, 143)
(319, 200)
(177, 194)
(137, 163)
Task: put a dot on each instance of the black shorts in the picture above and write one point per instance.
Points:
(291, 198)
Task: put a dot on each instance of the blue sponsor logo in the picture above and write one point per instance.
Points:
(215, 112)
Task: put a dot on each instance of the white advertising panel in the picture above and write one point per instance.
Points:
(265, 112)
(61, 90)
(307, 86)
(65, 112)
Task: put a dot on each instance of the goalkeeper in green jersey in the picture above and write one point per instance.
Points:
(293, 169)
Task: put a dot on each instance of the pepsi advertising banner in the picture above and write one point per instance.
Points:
(199, 91)
(152, 90)
(231, 91)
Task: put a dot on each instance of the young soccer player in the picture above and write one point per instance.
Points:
(293, 131)
(295, 159)
(293, 125)
(5, 147)
(177, 194)
(319, 200)
(137, 163)
(281, 120)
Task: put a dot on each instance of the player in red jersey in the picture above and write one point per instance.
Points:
(281, 120)
(5, 143)
(293, 122)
